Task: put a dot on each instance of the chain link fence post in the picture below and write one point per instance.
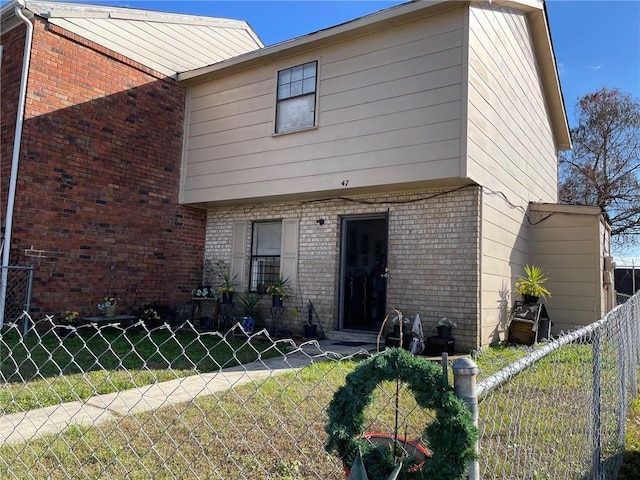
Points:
(597, 410)
(465, 372)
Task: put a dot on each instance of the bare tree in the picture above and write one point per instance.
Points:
(603, 168)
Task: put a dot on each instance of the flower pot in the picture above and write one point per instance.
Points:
(444, 332)
(227, 297)
(530, 299)
(412, 449)
(311, 331)
(248, 324)
(276, 301)
(110, 311)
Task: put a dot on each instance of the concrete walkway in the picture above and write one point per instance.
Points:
(26, 426)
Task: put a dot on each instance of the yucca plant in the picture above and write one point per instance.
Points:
(531, 284)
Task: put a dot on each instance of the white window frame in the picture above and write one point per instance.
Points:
(264, 267)
(296, 91)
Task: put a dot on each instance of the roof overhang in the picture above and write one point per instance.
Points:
(404, 13)
(565, 208)
(8, 18)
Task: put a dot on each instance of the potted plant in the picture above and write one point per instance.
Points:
(250, 311)
(70, 319)
(279, 290)
(108, 306)
(530, 285)
(150, 317)
(227, 287)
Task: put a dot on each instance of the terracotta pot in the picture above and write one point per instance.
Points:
(418, 452)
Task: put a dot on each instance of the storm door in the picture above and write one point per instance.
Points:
(363, 286)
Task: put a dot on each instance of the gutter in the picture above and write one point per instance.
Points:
(13, 181)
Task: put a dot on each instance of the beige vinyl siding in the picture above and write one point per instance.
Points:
(510, 150)
(159, 41)
(388, 112)
(568, 247)
(510, 137)
(505, 247)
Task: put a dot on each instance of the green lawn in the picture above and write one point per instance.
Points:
(269, 429)
(48, 370)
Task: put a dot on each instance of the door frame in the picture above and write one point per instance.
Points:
(344, 221)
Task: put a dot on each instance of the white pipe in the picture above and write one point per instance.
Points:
(16, 155)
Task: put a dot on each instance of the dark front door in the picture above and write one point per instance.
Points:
(363, 286)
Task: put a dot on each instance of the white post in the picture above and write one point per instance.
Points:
(465, 372)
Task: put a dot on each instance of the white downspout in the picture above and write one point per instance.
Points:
(16, 155)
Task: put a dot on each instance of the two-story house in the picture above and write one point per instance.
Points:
(407, 159)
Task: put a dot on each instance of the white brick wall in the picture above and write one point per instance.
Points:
(432, 254)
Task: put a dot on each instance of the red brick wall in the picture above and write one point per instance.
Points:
(97, 206)
(11, 68)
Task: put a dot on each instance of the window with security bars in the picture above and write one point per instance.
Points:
(265, 255)
(296, 105)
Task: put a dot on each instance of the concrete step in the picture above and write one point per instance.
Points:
(361, 336)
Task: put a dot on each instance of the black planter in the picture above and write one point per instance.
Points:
(530, 299)
(276, 301)
(311, 331)
(444, 332)
(227, 297)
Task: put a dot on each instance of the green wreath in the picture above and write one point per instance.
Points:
(450, 437)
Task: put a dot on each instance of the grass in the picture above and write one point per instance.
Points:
(275, 428)
(43, 371)
(631, 460)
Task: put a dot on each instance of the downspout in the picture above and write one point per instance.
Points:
(13, 181)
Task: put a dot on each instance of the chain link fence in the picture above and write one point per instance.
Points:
(18, 294)
(558, 410)
(104, 401)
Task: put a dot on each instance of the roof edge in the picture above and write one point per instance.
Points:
(56, 9)
(392, 16)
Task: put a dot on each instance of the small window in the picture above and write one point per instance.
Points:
(296, 106)
(265, 255)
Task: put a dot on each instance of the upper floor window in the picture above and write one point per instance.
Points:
(296, 102)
